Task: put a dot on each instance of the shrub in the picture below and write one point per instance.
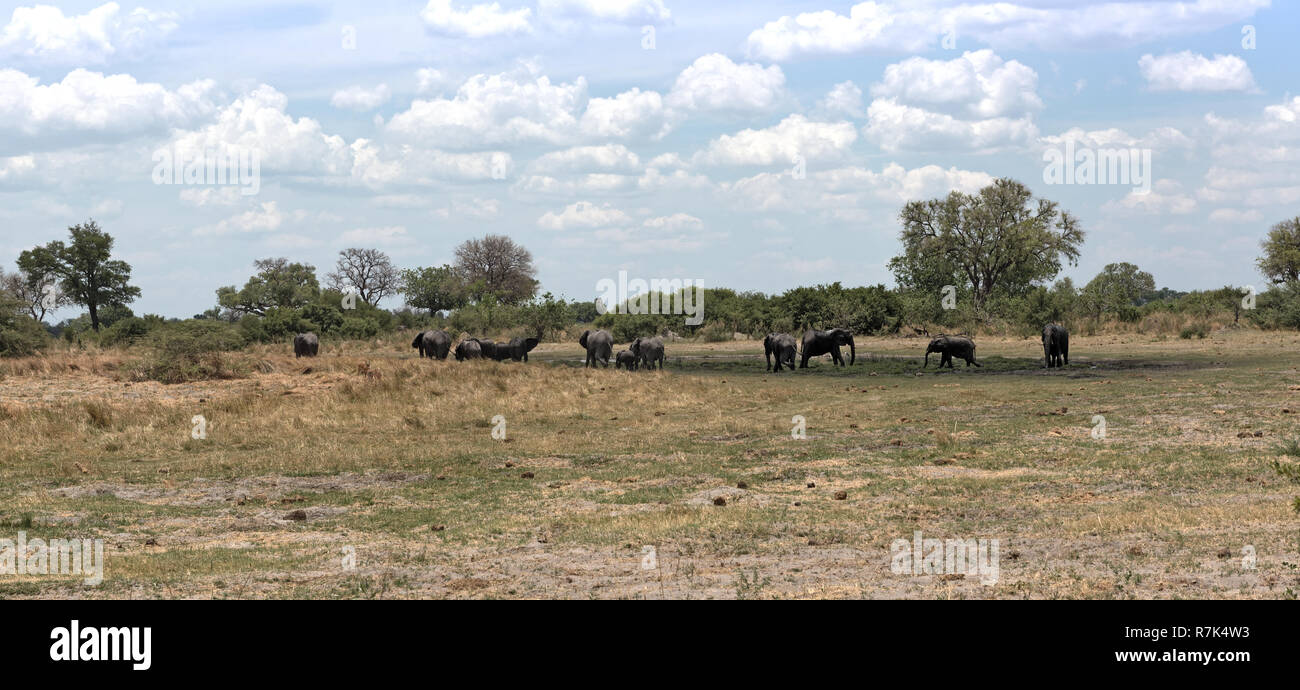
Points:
(191, 351)
(1195, 330)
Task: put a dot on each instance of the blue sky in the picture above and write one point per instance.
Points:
(661, 138)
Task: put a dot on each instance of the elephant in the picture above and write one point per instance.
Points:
(1056, 345)
(468, 349)
(952, 346)
(817, 343)
(599, 345)
(305, 345)
(433, 344)
(487, 347)
(648, 351)
(626, 360)
(517, 349)
(783, 346)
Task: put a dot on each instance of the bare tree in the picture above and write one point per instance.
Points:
(369, 272)
(37, 295)
(496, 265)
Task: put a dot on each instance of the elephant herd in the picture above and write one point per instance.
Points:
(779, 349)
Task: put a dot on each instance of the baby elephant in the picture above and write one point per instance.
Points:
(626, 360)
(952, 346)
(1056, 346)
(783, 346)
(305, 345)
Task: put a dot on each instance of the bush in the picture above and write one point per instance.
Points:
(1195, 330)
(191, 351)
(21, 336)
(359, 328)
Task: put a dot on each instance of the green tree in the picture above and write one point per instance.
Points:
(1117, 289)
(433, 288)
(1281, 260)
(85, 269)
(277, 284)
(1001, 239)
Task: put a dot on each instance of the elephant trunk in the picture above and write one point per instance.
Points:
(853, 354)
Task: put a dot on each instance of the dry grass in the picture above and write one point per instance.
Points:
(395, 458)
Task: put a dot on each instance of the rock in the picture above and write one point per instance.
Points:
(719, 501)
(742, 485)
(526, 475)
(841, 495)
(299, 515)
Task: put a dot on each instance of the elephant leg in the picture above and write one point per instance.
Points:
(803, 363)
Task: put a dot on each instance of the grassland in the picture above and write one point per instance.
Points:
(369, 451)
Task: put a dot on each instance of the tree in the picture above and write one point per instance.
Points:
(436, 289)
(1281, 260)
(38, 294)
(277, 284)
(368, 271)
(85, 269)
(496, 265)
(1001, 239)
(1117, 287)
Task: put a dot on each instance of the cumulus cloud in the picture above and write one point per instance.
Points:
(795, 136)
(90, 102)
(899, 26)
(851, 192)
(844, 99)
(976, 85)
(583, 214)
(581, 159)
(1188, 71)
(897, 127)
(714, 82)
(475, 21)
(360, 98)
(44, 34)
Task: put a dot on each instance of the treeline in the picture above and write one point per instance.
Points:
(976, 263)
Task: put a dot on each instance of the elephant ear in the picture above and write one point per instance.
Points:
(530, 343)
(582, 340)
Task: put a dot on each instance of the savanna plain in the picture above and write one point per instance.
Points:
(370, 473)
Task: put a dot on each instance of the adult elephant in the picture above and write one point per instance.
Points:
(1056, 346)
(625, 359)
(783, 346)
(487, 347)
(305, 345)
(648, 352)
(468, 349)
(599, 345)
(517, 349)
(433, 344)
(817, 343)
(950, 346)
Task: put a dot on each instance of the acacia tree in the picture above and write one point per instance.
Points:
(1281, 260)
(496, 265)
(367, 271)
(277, 284)
(1118, 286)
(86, 272)
(1001, 239)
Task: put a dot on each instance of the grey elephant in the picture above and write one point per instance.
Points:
(487, 347)
(517, 349)
(950, 346)
(433, 344)
(305, 345)
(468, 349)
(1056, 346)
(625, 359)
(783, 346)
(599, 345)
(648, 352)
(817, 343)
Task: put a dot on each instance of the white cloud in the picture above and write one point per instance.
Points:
(583, 214)
(429, 80)
(389, 236)
(87, 101)
(677, 222)
(633, 113)
(1188, 71)
(844, 99)
(43, 33)
(605, 158)
(476, 208)
(897, 127)
(478, 21)
(1166, 198)
(976, 85)
(1234, 216)
(714, 82)
(899, 26)
(794, 136)
(224, 195)
(266, 217)
(360, 98)
(848, 192)
(621, 11)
